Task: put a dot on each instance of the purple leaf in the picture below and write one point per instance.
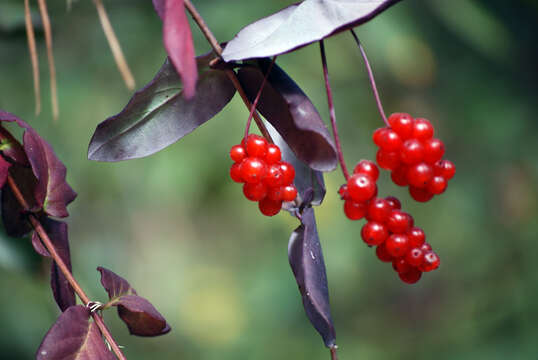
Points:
(139, 314)
(11, 148)
(159, 7)
(178, 43)
(4, 170)
(299, 25)
(14, 216)
(158, 116)
(292, 114)
(74, 337)
(306, 260)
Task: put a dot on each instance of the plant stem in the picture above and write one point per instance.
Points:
(33, 54)
(332, 112)
(334, 356)
(371, 76)
(231, 74)
(63, 267)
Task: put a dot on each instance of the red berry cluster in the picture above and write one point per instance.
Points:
(266, 178)
(387, 227)
(410, 151)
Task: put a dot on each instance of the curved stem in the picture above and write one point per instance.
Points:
(231, 74)
(372, 79)
(33, 54)
(332, 112)
(63, 267)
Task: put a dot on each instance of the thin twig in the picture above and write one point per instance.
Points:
(33, 54)
(52, 70)
(372, 80)
(231, 74)
(115, 47)
(334, 356)
(332, 112)
(63, 267)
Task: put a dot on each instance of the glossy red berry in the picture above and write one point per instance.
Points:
(397, 245)
(256, 146)
(422, 129)
(394, 203)
(419, 175)
(437, 185)
(269, 207)
(273, 154)
(411, 276)
(434, 149)
(425, 247)
(374, 233)
(367, 167)
(238, 153)
(412, 152)
(354, 210)
(416, 237)
(399, 222)
(387, 160)
(274, 176)
(414, 257)
(382, 254)
(402, 124)
(361, 187)
(275, 193)
(431, 262)
(444, 168)
(235, 173)
(390, 141)
(399, 175)
(288, 172)
(289, 192)
(343, 192)
(378, 134)
(378, 210)
(420, 195)
(252, 170)
(400, 265)
(255, 191)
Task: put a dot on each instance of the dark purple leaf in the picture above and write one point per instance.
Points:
(13, 215)
(306, 260)
(74, 337)
(11, 148)
(178, 43)
(299, 25)
(292, 114)
(4, 168)
(159, 7)
(158, 116)
(139, 314)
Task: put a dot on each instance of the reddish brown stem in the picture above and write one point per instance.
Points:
(33, 55)
(334, 356)
(332, 112)
(63, 267)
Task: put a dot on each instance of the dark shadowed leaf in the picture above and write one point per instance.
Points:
(306, 260)
(158, 116)
(299, 25)
(139, 314)
(4, 167)
(292, 114)
(57, 232)
(159, 7)
(11, 148)
(13, 215)
(178, 43)
(74, 337)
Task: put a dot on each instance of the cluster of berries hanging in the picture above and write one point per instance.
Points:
(413, 155)
(266, 178)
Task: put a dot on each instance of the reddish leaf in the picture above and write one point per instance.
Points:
(159, 7)
(306, 260)
(299, 25)
(74, 337)
(158, 116)
(13, 215)
(292, 114)
(11, 148)
(178, 43)
(4, 168)
(114, 285)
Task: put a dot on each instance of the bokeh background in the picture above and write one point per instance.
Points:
(182, 233)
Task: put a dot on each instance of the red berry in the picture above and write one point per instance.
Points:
(274, 177)
(431, 262)
(412, 152)
(419, 175)
(289, 193)
(237, 153)
(343, 192)
(235, 173)
(382, 254)
(422, 129)
(288, 172)
(400, 265)
(394, 203)
(378, 210)
(416, 237)
(252, 170)
(414, 257)
(378, 134)
(275, 193)
(397, 245)
(444, 168)
(420, 195)
(399, 175)
(255, 191)
(399, 222)
(411, 277)
(354, 210)
(374, 233)
(361, 187)
(273, 154)
(367, 167)
(434, 149)
(425, 247)
(402, 124)
(388, 160)
(269, 207)
(256, 146)
(437, 185)
(390, 141)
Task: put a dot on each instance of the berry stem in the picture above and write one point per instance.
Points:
(231, 74)
(63, 267)
(258, 95)
(334, 356)
(372, 79)
(332, 112)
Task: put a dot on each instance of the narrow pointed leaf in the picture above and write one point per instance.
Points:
(299, 25)
(178, 43)
(158, 115)
(14, 217)
(74, 337)
(306, 260)
(4, 169)
(115, 285)
(11, 148)
(292, 114)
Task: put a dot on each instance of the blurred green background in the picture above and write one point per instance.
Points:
(182, 233)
